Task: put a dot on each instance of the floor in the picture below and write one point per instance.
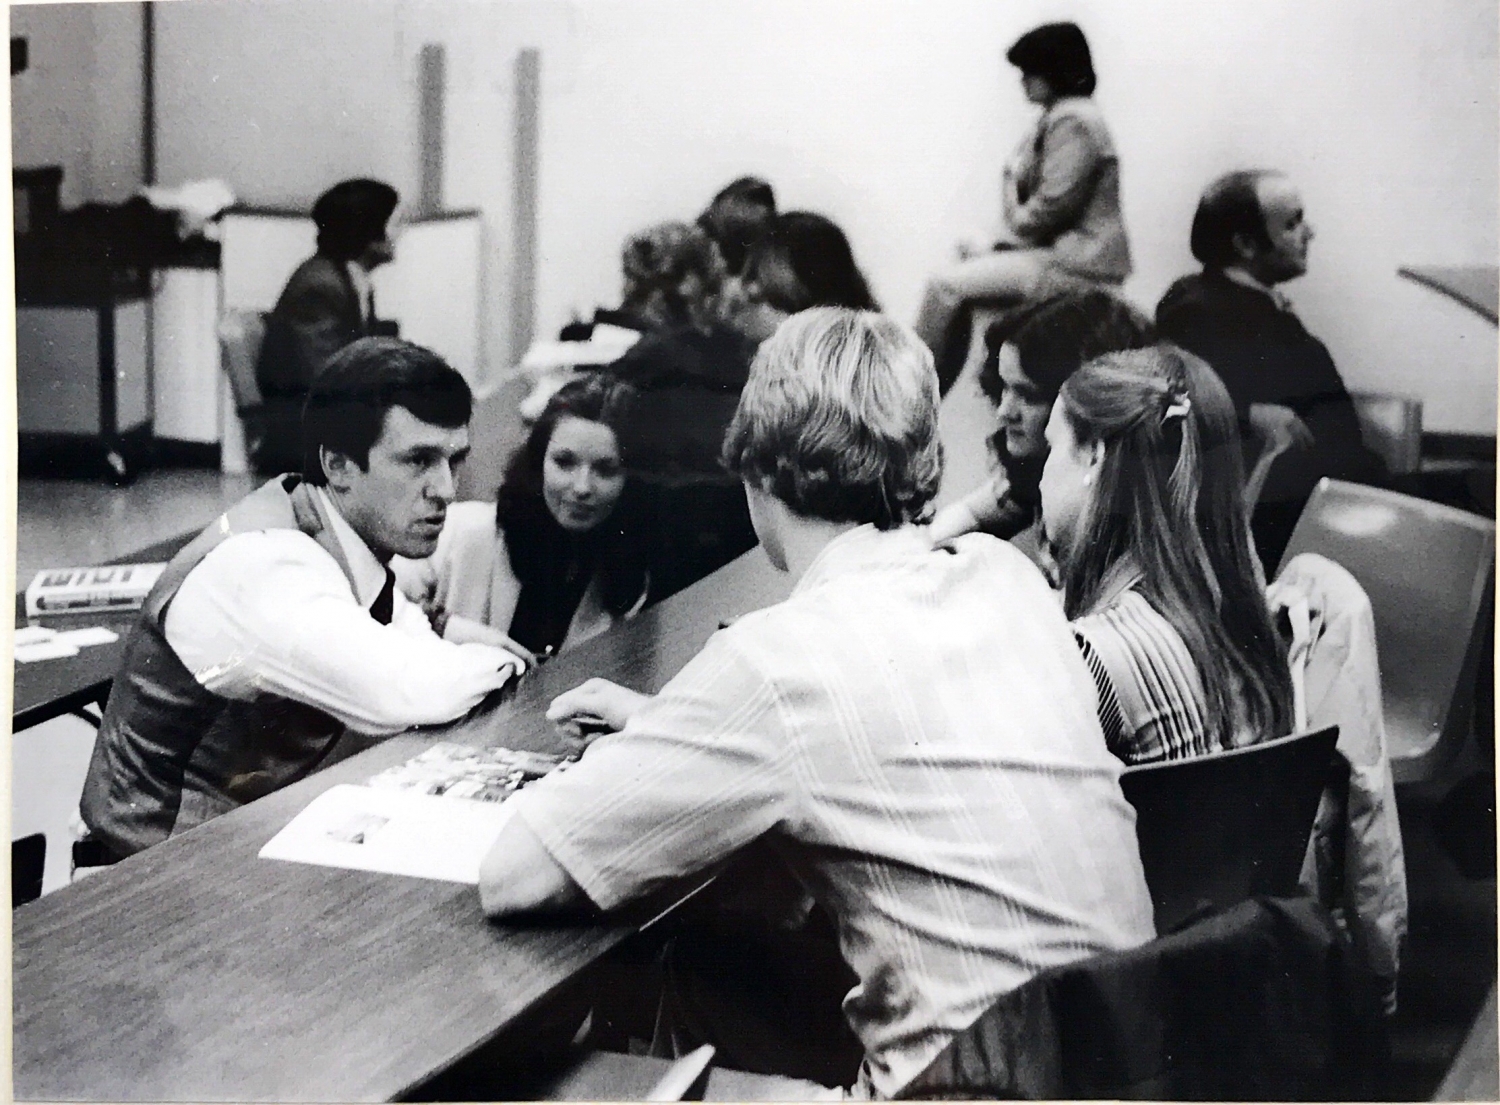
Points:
(1450, 960)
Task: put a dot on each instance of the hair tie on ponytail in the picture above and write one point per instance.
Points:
(1179, 407)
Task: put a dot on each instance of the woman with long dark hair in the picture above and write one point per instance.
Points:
(1030, 355)
(1142, 500)
(559, 557)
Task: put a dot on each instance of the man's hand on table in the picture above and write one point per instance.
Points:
(593, 708)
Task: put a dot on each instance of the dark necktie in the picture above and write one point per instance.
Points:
(385, 602)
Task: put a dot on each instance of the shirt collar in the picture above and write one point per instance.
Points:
(368, 573)
(362, 285)
(861, 547)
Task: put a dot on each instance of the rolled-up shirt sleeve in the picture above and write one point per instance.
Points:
(272, 613)
(700, 771)
(1069, 167)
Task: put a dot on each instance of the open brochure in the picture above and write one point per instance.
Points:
(460, 771)
(433, 817)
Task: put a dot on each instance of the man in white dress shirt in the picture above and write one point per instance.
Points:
(913, 729)
(278, 626)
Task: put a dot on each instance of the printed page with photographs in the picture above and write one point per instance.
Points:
(433, 817)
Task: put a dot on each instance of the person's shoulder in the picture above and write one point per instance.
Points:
(249, 557)
(1186, 293)
(317, 274)
(1076, 113)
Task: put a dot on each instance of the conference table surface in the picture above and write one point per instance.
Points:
(49, 688)
(197, 971)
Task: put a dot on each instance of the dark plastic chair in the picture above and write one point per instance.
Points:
(1430, 573)
(28, 859)
(1216, 830)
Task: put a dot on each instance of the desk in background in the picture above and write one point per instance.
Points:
(1477, 287)
(196, 971)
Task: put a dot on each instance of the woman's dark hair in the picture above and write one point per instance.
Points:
(1168, 495)
(1054, 337)
(1230, 206)
(818, 254)
(737, 217)
(351, 215)
(553, 565)
(350, 395)
(1059, 54)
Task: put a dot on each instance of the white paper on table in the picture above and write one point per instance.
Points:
(395, 832)
(34, 635)
(93, 635)
(44, 650)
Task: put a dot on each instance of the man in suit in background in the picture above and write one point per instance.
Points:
(327, 303)
(1251, 235)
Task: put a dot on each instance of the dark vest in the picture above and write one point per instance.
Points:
(171, 755)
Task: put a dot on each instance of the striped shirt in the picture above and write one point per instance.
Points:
(917, 729)
(1151, 697)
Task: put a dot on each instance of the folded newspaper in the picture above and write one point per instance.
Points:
(85, 590)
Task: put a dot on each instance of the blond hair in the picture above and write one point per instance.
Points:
(838, 419)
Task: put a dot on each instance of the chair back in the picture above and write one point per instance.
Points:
(1429, 571)
(28, 860)
(240, 336)
(1215, 830)
(1392, 427)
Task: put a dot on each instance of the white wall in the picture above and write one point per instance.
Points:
(79, 103)
(891, 117)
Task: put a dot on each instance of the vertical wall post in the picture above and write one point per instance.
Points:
(148, 92)
(431, 88)
(524, 209)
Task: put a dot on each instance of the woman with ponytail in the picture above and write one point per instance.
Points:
(1142, 502)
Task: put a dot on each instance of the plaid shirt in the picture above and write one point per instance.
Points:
(917, 727)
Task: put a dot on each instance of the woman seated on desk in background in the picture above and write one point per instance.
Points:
(1060, 197)
(1143, 500)
(559, 557)
(1029, 357)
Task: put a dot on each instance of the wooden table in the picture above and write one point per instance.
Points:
(197, 971)
(1477, 287)
(51, 688)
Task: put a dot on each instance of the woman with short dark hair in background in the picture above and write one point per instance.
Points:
(1030, 355)
(560, 556)
(1060, 197)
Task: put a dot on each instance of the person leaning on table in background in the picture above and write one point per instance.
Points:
(279, 625)
(914, 727)
(560, 556)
